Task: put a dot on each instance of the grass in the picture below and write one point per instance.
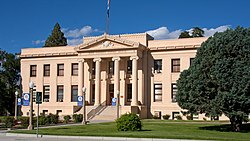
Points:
(154, 129)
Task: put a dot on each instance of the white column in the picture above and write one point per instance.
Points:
(117, 75)
(97, 80)
(134, 81)
(80, 76)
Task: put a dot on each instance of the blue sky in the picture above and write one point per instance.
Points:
(27, 23)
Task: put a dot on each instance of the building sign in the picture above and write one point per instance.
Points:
(114, 101)
(26, 99)
(80, 101)
(19, 101)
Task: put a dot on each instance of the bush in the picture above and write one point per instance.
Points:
(53, 118)
(178, 117)
(128, 122)
(156, 117)
(166, 117)
(67, 118)
(42, 120)
(189, 117)
(77, 118)
(8, 121)
(24, 121)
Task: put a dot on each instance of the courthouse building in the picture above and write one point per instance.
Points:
(142, 70)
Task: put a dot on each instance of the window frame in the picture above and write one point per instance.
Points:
(173, 89)
(74, 70)
(129, 92)
(60, 71)
(74, 96)
(175, 67)
(46, 70)
(157, 65)
(33, 70)
(129, 67)
(60, 99)
(46, 91)
(156, 94)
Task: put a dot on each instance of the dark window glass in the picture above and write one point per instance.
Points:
(129, 66)
(93, 93)
(175, 65)
(158, 66)
(60, 69)
(157, 92)
(33, 71)
(46, 70)
(111, 67)
(74, 69)
(129, 92)
(174, 92)
(59, 94)
(46, 93)
(74, 93)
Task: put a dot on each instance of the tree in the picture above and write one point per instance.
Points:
(218, 81)
(9, 81)
(56, 38)
(197, 32)
(185, 34)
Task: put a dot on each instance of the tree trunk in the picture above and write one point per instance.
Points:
(236, 124)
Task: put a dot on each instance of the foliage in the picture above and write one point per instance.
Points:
(156, 117)
(24, 121)
(189, 117)
(196, 32)
(56, 38)
(9, 81)
(77, 118)
(218, 81)
(53, 119)
(128, 122)
(166, 117)
(67, 118)
(8, 121)
(185, 34)
(178, 117)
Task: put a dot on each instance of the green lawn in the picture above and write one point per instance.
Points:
(155, 129)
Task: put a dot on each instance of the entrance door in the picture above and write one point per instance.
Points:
(110, 94)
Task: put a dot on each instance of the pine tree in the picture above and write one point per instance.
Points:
(56, 38)
(185, 34)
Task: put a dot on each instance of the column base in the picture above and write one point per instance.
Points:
(30, 127)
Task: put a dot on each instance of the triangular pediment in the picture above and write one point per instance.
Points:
(107, 42)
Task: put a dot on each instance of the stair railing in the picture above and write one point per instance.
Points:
(96, 110)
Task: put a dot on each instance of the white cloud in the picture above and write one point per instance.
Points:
(212, 31)
(76, 33)
(164, 33)
(38, 42)
(73, 42)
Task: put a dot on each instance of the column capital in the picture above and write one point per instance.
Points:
(97, 59)
(116, 58)
(134, 57)
(80, 60)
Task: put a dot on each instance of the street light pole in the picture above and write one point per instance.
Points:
(31, 85)
(16, 94)
(118, 103)
(84, 106)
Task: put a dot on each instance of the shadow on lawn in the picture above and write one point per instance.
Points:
(245, 128)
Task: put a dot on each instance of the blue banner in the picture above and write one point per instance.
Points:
(114, 101)
(26, 99)
(19, 101)
(80, 101)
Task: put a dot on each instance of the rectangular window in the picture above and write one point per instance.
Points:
(93, 93)
(45, 112)
(129, 92)
(74, 69)
(175, 65)
(32, 70)
(173, 92)
(46, 70)
(157, 92)
(60, 69)
(46, 93)
(158, 66)
(129, 67)
(59, 93)
(191, 61)
(111, 67)
(74, 93)
(174, 115)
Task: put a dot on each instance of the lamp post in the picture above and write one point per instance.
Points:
(118, 103)
(84, 106)
(16, 94)
(31, 85)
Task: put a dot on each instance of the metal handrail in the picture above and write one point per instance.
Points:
(96, 110)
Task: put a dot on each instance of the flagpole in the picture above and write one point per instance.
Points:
(107, 17)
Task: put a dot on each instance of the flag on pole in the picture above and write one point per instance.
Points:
(108, 7)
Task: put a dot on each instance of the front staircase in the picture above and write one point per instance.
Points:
(107, 114)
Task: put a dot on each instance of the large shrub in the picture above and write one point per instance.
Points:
(24, 121)
(67, 118)
(53, 118)
(128, 122)
(77, 118)
(8, 121)
(166, 117)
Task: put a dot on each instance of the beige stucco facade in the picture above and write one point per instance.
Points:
(142, 70)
